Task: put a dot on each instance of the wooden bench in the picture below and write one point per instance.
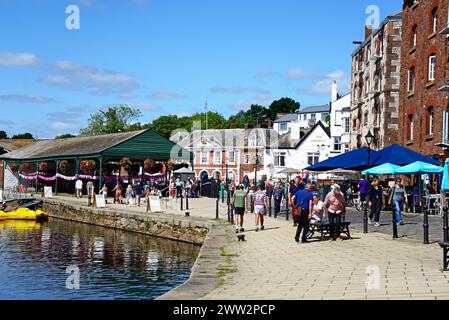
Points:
(325, 230)
(445, 246)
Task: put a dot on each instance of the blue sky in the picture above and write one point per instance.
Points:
(167, 56)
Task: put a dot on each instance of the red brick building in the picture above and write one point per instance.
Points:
(424, 113)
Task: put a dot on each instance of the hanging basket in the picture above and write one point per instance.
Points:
(88, 165)
(14, 167)
(64, 166)
(25, 167)
(43, 166)
(149, 164)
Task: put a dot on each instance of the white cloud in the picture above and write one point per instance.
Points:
(239, 90)
(324, 86)
(146, 107)
(62, 126)
(27, 60)
(22, 98)
(244, 104)
(165, 95)
(99, 82)
(299, 74)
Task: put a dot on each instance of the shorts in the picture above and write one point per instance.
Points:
(239, 211)
(259, 209)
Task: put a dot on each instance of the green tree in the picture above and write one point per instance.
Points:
(283, 105)
(23, 136)
(65, 136)
(165, 125)
(3, 135)
(115, 119)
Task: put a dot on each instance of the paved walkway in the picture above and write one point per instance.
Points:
(270, 265)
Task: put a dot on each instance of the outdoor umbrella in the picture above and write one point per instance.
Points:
(400, 156)
(352, 160)
(420, 168)
(445, 183)
(384, 169)
(289, 171)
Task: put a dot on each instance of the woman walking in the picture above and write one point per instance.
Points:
(334, 209)
(375, 202)
(397, 198)
(118, 193)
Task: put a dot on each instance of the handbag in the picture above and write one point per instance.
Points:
(296, 211)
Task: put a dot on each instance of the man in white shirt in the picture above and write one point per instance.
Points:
(79, 188)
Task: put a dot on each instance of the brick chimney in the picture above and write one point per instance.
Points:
(368, 31)
(334, 91)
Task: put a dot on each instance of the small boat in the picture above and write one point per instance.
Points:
(24, 214)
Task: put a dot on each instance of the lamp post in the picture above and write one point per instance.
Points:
(369, 141)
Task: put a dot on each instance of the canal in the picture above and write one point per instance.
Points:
(43, 261)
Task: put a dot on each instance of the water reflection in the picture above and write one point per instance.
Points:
(112, 264)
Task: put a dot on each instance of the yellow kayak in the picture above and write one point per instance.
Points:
(24, 214)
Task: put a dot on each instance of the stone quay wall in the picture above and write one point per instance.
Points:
(173, 227)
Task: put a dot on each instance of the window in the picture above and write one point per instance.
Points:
(432, 61)
(411, 79)
(324, 116)
(446, 126)
(337, 143)
(231, 156)
(313, 158)
(313, 116)
(217, 157)
(430, 115)
(305, 117)
(366, 118)
(414, 35)
(247, 159)
(346, 125)
(283, 126)
(410, 127)
(204, 157)
(434, 20)
(279, 159)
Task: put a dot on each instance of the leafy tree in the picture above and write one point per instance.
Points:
(283, 105)
(3, 135)
(23, 136)
(115, 119)
(65, 136)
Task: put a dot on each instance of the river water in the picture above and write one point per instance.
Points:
(45, 261)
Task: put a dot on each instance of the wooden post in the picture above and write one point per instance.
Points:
(101, 175)
(56, 180)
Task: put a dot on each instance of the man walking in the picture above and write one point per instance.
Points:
(79, 188)
(239, 205)
(90, 192)
(303, 199)
(298, 185)
(139, 193)
(278, 194)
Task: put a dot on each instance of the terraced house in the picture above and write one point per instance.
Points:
(375, 85)
(425, 78)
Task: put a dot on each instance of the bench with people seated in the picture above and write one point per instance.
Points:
(325, 229)
(445, 246)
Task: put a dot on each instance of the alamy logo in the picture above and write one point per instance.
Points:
(72, 22)
(373, 19)
(73, 280)
(373, 280)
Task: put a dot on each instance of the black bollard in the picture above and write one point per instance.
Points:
(445, 225)
(426, 226)
(252, 204)
(269, 205)
(187, 202)
(365, 217)
(182, 201)
(216, 212)
(395, 224)
(287, 209)
(228, 203)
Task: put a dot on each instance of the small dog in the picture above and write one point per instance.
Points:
(241, 237)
